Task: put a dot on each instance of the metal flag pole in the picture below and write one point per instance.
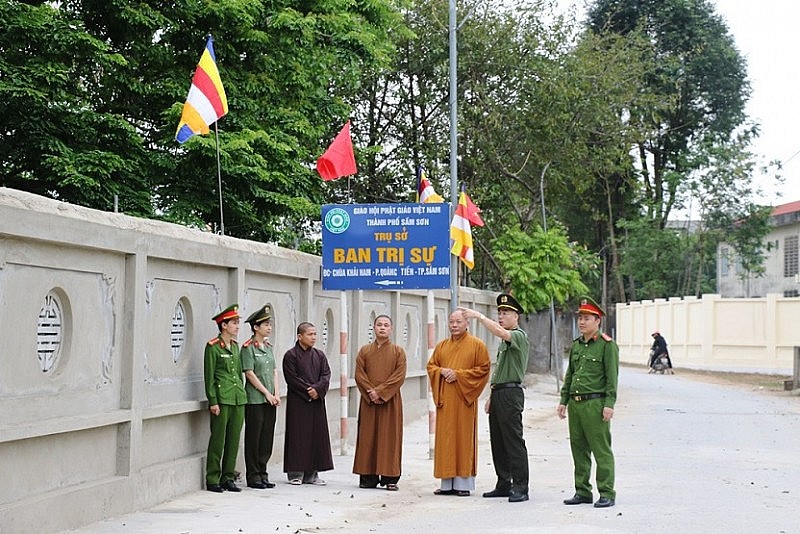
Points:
(219, 181)
(453, 150)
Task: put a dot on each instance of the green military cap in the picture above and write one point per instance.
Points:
(264, 313)
(588, 305)
(231, 312)
(506, 301)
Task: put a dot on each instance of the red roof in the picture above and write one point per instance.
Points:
(791, 207)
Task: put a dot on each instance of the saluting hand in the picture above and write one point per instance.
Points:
(469, 313)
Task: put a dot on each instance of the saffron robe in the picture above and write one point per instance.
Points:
(307, 442)
(379, 444)
(456, 443)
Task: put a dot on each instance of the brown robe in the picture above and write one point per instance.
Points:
(307, 443)
(379, 445)
(456, 448)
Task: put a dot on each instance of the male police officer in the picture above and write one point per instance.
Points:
(226, 399)
(590, 391)
(507, 400)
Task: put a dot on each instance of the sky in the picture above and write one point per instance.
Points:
(765, 33)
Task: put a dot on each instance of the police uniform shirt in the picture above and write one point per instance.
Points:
(512, 358)
(258, 357)
(593, 368)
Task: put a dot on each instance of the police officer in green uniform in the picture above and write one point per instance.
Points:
(507, 400)
(226, 399)
(589, 393)
(263, 398)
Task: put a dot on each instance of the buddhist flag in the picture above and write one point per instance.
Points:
(206, 102)
(425, 192)
(461, 232)
(339, 160)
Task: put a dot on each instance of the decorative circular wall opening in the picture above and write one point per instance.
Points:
(327, 330)
(323, 333)
(50, 332)
(371, 328)
(178, 329)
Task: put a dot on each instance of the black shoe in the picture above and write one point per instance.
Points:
(268, 484)
(256, 485)
(497, 493)
(604, 502)
(578, 499)
(230, 486)
(518, 496)
(367, 486)
(216, 488)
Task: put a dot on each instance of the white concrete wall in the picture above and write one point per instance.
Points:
(118, 423)
(748, 335)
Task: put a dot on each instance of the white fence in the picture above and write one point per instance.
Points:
(746, 335)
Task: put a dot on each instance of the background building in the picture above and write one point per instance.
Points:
(781, 260)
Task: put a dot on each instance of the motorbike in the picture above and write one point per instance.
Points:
(659, 365)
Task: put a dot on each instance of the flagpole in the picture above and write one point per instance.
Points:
(219, 181)
(454, 263)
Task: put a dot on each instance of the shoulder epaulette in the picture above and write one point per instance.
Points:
(213, 341)
(605, 336)
(248, 342)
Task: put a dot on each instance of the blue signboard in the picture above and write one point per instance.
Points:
(385, 246)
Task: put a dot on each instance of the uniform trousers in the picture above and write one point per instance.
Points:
(259, 434)
(509, 453)
(590, 435)
(223, 444)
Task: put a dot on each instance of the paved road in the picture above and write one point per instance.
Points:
(691, 457)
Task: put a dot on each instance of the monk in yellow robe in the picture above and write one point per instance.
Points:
(458, 371)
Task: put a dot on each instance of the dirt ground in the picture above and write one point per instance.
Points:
(754, 381)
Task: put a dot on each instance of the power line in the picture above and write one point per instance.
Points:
(784, 162)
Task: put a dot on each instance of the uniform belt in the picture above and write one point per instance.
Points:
(507, 385)
(587, 396)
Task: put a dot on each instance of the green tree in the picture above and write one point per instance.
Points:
(55, 141)
(698, 68)
(540, 265)
(402, 113)
(120, 72)
(531, 105)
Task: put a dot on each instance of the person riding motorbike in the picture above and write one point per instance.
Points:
(658, 352)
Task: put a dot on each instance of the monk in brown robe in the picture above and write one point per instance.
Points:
(458, 371)
(307, 443)
(380, 372)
